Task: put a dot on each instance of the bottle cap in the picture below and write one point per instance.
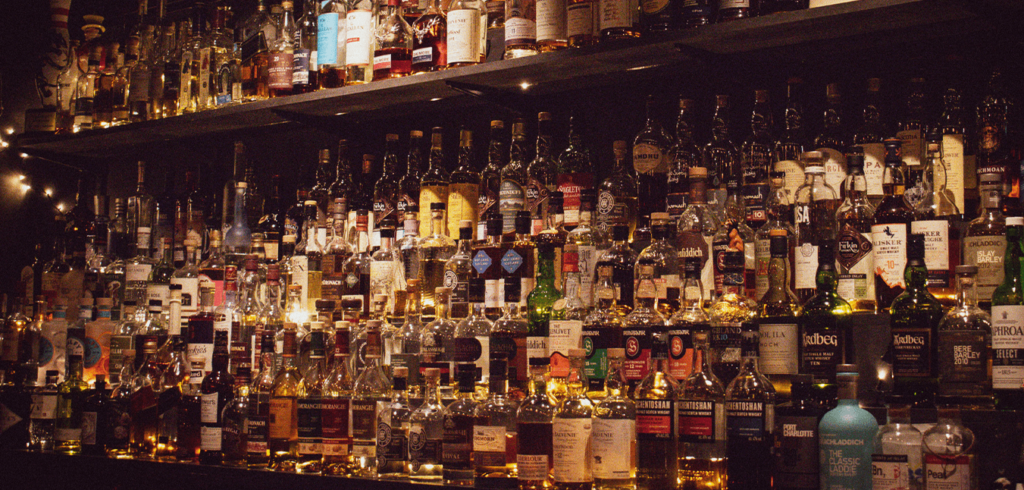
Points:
(494, 227)
(539, 361)
(497, 124)
(827, 254)
(619, 145)
(779, 246)
(854, 160)
(438, 206)
(964, 269)
(577, 353)
(620, 233)
(523, 222)
(698, 172)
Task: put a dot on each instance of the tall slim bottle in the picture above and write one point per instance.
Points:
(650, 161)
(534, 423)
(814, 216)
(360, 24)
(701, 449)
(855, 258)
(750, 420)
(656, 398)
(940, 221)
(614, 430)
(890, 229)
(434, 184)
(283, 422)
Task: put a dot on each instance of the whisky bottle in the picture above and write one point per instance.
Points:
(735, 10)
(117, 419)
(730, 314)
(722, 157)
(749, 408)
(855, 258)
(642, 326)
(1007, 319)
(409, 184)
(360, 24)
(541, 171)
(869, 137)
(495, 439)
(464, 32)
(430, 40)
(616, 196)
(949, 454)
(490, 178)
(814, 216)
(666, 265)
(778, 326)
(793, 141)
(458, 271)
(509, 337)
(282, 55)
(435, 251)
(734, 235)
(890, 229)
(651, 163)
(540, 301)
(426, 427)
(369, 395)
(796, 437)
(621, 259)
(234, 430)
(534, 420)
(487, 266)
(914, 321)
(283, 420)
(464, 189)
(832, 141)
(356, 269)
(912, 126)
(683, 155)
(824, 340)
(898, 456)
(779, 210)
(217, 390)
(392, 54)
(756, 158)
(512, 189)
(847, 434)
(589, 242)
(958, 153)
(697, 228)
(614, 430)
(94, 406)
(601, 331)
(656, 398)
(575, 167)
(335, 408)
(331, 39)
(567, 314)
(143, 408)
(436, 338)
(393, 429)
(964, 337)
(520, 28)
(702, 425)
(690, 318)
(572, 430)
(70, 398)
(458, 417)
(434, 184)
(939, 220)
(385, 191)
(310, 398)
(985, 239)
(257, 429)
(616, 20)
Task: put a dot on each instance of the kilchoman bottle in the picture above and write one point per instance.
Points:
(701, 447)
(985, 239)
(572, 430)
(937, 217)
(337, 397)
(779, 211)
(282, 423)
(750, 419)
(855, 258)
(690, 318)
(369, 396)
(778, 324)
(426, 431)
(949, 459)
(890, 229)
(534, 423)
(897, 462)
(824, 342)
(730, 314)
(234, 421)
(964, 337)
(602, 330)
(914, 321)
(393, 429)
(656, 398)
(642, 325)
(457, 439)
(796, 437)
(614, 429)
(697, 227)
(1008, 323)
(846, 437)
(814, 215)
(495, 440)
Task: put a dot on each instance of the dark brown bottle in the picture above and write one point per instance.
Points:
(890, 229)
(217, 390)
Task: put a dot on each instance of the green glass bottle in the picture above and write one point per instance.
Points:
(914, 322)
(70, 399)
(777, 315)
(823, 339)
(540, 302)
(1008, 323)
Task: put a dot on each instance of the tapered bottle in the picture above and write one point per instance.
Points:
(701, 447)
(696, 230)
(218, 389)
(426, 432)
(392, 55)
(283, 423)
(985, 239)
(778, 325)
(614, 429)
(846, 433)
(814, 216)
(495, 440)
(937, 217)
(890, 229)
(370, 393)
(1007, 320)
(360, 24)
(572, 430)
(796, 438)
(730, 314)
(656, 398)
(855, 258)
(750, 420)
(393, 429)
(690, 318)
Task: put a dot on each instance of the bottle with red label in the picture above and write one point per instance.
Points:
(656, 398)
(948, 451)
(643, 324)
(700, 450)
(282, 55)
(575, 173)
(392, 57)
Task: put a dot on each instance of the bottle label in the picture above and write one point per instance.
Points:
(570, 185)
(986, 252)
(948, 473)
(806, 265)
(327, 38)
(462, 203)
(889, 472)
(335, 427)
(595, 367)
(358, 37)
(44, 406)
(822, 348)
(749, 421)
(580, 19)
(457, 447)
(66, 435)
(519, 30)
(489, 439)
(1007, 347)
(778, 346)
(138, 87)
(680, 351)
(654, 420)
(430, 194)
(612, 443)
(283, 414)
(936, 251)
(954, 163)
(423, 56)
(649, 159)
(571, 450)
(889, 242)
(282, 66)
(615, 14)
(694, 244)
(874, 168)
(463, 36)
(551, 20)
(310, 424)
(533, 467)
(700, 421)
(88, 433)
(794, 175)
(762, 256)
(562, 336)
(835, 168)
(912, 352)
(392, 444)
(856, 260)
(638, 353)
(796, 451)
(209, 412)
(189, 295)
(210, 438)
(302, 60)
(912, 147)
(727, 339)
(845, 455)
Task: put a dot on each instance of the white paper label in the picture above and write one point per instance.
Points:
(210, 438)
(571, 448)
(208, 408)
(532, 466)
(912, 147)
(794, 175)
(564, 335)
(953, 162)
(615, 14)
(874, 168)
(64, 435)
(519, 30)
(936, 243)
(889, 472)
(489, 439)
(613, 440)
(463, 36)
(581, 19)
(835, 168)
(806, 266)
(778, 347)
(359, 34)
(550, 20)
(44, 407)
(889, 243)
(952, 473)
(189, 295)
(1007, 347)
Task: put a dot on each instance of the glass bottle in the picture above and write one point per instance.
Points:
(937, 217)
(144, 410)
(750, 419)
(434, 184)
(778, 325)
(796, 437)
(426, 432)
(617, 195)
(567, 315)
(847, 433)
(458, 416)
(235, 420)
(814, 216)
(360, 24)
(964, 337)
(541, 173)
(310, 398)
(869, 136)
(464, 189)
(898, 453)
(701, 444)
(473, 336)
(614, 429)
(572, 430)
(282, 54)
(189, 434)
(890, 229)
(666, 266)
(656, 398)
(779, 213)
(914, 321)
(436, 338)
(824, 342)
(392, 55)
(495, 440)
(393, 429)
(369, 394)
(458, 270)
(94, 409)
(464, 32)
(621, 259)
(575, 168)
(430, 40)
(1007, 320)
(540, 302)
(690, 318)
(643, 326)
(683, 155)
(696, 230)
(757, 154)
(70, 398)
(337, 394)
(734, 235)
(722, 157)
(508, 337)
(534, 420)
(833, 140)
(217, 391)
(118, 418)
(386, 272)
(601, 331)
(520, 28)
(985, 237)
(855, 259)
(282, 422)
(436, 249)
(949, 455)
(331, 39)
(356, 286)
(490, 176)
(650, 161)
(513, 178)
(730, 314)
(518, 262)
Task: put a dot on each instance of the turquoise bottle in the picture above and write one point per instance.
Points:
(846, 438)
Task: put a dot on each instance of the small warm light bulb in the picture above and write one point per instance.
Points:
(60, 207)
(525, 85)
(48, 192)
(21, 178)
(10, 130)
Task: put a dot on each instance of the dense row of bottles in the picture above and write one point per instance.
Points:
(161, 69)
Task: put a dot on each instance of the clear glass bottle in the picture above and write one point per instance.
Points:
(217, 390)
(778, 325)
(283, 415)
(430, 41)
(534, 423)
(847, 433)
(949, 453)
(779, 212)
(392, 55)
(235, 420)
(614, 429)
(458, 269)
(426, 432)
(282, 54)
(986, 236)
(616, 194)
(690, 318)
(520, 28)
(436, 249)
(337, 394)
(666, 265)
(938, 218)
(393, 429)
(643, 326)
(750, 423)
(457, 440)
(472, 337)
(310, 398)
(508, 337)
(464, 32)
(964, 337)
(495, 440)
(855, 259)
(696, 230)
(730, 314)
(572, 430)
(701, 444)
(898, 452)
(656, 398)
(369, 395)
(814, 215)
(650, 161)
(360, 24)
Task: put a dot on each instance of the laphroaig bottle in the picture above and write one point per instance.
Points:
(572, 430)
(614, 430)
(897, 462)
(796, 437)
(846, 438)
(914, 322)
(1008, 323)
(750, 419)
(656, 397)
(701, 446)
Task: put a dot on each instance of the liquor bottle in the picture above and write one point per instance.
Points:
(520, 28)
(282, 55)
(651, 163)
(897, 462)
(958, 153)
(310, 397)
(282, 422)
(409, 184)
(964, 336)
(117, 418)
(870, 137)
(540, 173)
(833, 140)
(617, 195)
(643, 326)
(495, 440)
(201, 336)
(187, 277)
(85, 96)
(1007, 319)
(360, 24)
(949, 458)
(793, 142)
(601, 331)
(567, 315)
(426, 432)
(386, 190)
(890, 229)
(779, 213)
(458, 270)
(392, 54)
(757, 154)
(697, 228)
(846, 434)
(656, 400)
(814, 215)
(371, 391)
(434, 184)
(689, 318)
(490, 178)
(143, 407)
(796, 437)
(855, 258)
(735, 10)
(750, 424)
(621, 259)
(356, 286)
(141, 210)
(464, 32)
(985, 239)
(540, 302)
(572, 430)
(331, 39)
(698, 13)
(173, 381)
(914, 125)
(234, 421)
(937, 217)
(52, 340)
(335, 412)
(457, 429)
(734, 235)
(464, 189)
(722, 157)
(94, 406)
(730, 314)
(386, 272)
(683, 155)
(393, 431)
(68, 423)
(430, 40)
(534, 423)
(914, 320)
(701, 445)
(512, 189)
(778, 325)
(575, 168)
(824, 339)
(589, 242)
(218, 389)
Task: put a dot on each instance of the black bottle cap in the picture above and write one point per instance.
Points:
(779, 247)
(934, 135)
(827, 254)
(915, 247)
(324, 304)
(155, 303)
(855, 161)
(893, 150)
(494, 227)
(175, 287)
(733, 260)
(539, 361)
(465, 233)
(387, 232)
(523, 222)
(620, 233)
(556, 196)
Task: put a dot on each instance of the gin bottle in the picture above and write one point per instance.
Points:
(846, 438)
(897, 462)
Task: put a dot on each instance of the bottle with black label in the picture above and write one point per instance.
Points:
(914, 321)
(534, 419)
(656, 397)
(730, 314)
(796, 437)
(823, 337)
(700, 450)
(757, 154)
(964, 336)
(310, 425)
(750, 420)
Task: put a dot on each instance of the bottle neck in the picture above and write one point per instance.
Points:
(826, 279)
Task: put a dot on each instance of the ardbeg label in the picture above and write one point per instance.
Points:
(912, 351)
(821, 349)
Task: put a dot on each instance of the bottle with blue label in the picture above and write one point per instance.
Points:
(846, 438)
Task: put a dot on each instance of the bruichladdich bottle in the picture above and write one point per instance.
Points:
(846, 438)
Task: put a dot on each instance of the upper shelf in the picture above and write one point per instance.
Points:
(860, 23)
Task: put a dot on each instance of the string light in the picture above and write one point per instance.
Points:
(48, 192)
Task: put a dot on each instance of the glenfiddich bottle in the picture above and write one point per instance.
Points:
(656, 397)
(890, 229)
(914, 322)
(696, 231)
(855, 258)
(964, 336)
(749, 406)
(940, 221)
(1008, 324)
(823, 336)
(778, 328)
(700, 449)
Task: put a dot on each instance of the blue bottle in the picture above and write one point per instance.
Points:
(846, 438)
